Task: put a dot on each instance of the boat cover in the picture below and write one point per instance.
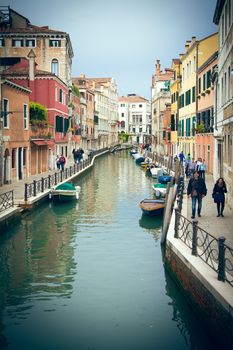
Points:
(67, 186)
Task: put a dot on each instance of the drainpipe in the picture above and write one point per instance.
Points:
(196, 92)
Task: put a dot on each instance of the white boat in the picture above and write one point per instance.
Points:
(156, 171)
(65, 192)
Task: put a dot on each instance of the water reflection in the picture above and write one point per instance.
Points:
(89, 274)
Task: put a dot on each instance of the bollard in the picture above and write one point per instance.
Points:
(194, 238)
(221, 259)
(176, 235)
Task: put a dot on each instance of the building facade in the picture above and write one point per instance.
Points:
(175, 85)
(160, 96)
(197, 53)
(204, 140)
(52, 48)
(14, 133)
(135, 117)
(223, 88)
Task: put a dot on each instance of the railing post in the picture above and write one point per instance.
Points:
(34, 188)
(49, 181)
(194, 238)
(70, 170)
(176, 235)
(66, 172)
(61, 176)
(42, 184)
(221, 259)
(55, 178)
(26, 192)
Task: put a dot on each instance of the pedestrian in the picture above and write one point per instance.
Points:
(218, 195)
(58, 164)
(74, 155)
(197, 190)
(62, 161)
(202, 169)
(182, 157)
(192, 167)
(198, 164)
(187, 163)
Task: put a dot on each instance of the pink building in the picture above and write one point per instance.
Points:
(204, 140)
(48, 90)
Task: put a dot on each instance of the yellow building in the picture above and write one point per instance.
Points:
(197, 52)
(175, 89)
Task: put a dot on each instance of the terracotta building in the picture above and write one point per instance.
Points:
(14, 133)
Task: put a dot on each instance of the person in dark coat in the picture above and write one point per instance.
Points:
(219, 191)
(197, 190)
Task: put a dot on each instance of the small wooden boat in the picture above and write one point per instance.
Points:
(147, 164)
(153, 206)
(65, 192)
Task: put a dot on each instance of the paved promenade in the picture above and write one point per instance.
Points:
(217, 226)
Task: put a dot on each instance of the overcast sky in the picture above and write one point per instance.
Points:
(123, 38)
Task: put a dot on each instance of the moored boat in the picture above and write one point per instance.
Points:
(152, 207)
(160, 189)
(164, 179)
(65, 192)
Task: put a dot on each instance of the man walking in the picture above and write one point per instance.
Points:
(197, 190)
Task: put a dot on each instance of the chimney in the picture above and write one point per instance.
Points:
(82, 76)
(31, 57)
(157, 66)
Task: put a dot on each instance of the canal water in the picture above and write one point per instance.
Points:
(90, 275)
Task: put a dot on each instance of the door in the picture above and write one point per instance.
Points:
(20, 170)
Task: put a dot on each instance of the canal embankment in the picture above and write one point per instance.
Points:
(201, 264)
(22, 196)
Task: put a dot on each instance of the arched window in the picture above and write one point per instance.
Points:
(54, 66)
(123, 124)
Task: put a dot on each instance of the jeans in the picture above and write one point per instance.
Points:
(220, 206)
(196, 200)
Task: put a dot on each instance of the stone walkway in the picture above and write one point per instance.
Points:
(216, 226)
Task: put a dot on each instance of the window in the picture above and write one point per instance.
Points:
(199, 85)
(140, 129)
(182, 127)
(187, 97)
(13, 158)
(188, 127)
(204, 82)
(24, 156)
(55, 43)
(17, 42)
(122, 105)
(208, 81)
(193, 94)
(54, 66)
(133, 106)
(229, 11)
(123, 124)
(30, 43)
(25, 116)
(122, 114)
(5, 113)
(226, 19)
(59, 124)
(174, 75)
(222, 92)
(229, 83)
(60, 95)
(140, 106)
(2, 42)
(222, 29)
(172, 122)
(225, 86)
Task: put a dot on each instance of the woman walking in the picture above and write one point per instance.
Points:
(219, 191)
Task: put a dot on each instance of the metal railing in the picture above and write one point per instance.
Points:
(6, 200)
(213, 251)
(39, 186)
